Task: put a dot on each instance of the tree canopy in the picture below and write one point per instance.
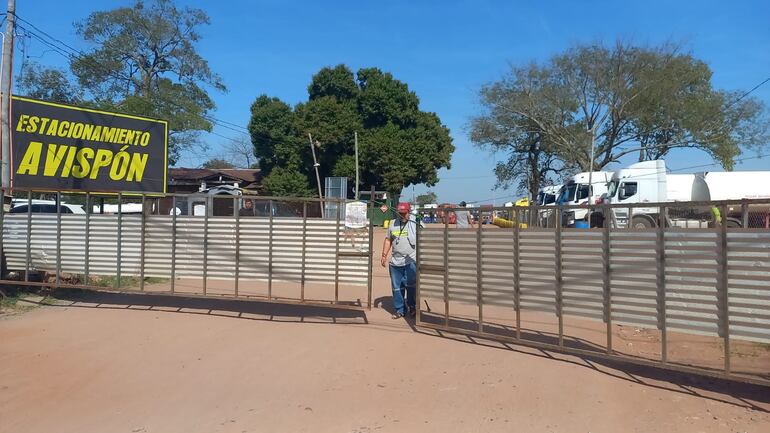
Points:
(143, 60)
(217, 163)
(427, 198)
(620, 99)
(398, 143)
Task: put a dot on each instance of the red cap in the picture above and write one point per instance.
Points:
(404, 207)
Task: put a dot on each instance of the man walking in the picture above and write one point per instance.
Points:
(463, 218)
(402, 237)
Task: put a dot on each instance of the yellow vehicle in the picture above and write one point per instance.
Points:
(504, 223)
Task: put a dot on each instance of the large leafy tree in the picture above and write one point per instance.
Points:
(427, 198)
(143, 60)
(618, 100)
(398, 143)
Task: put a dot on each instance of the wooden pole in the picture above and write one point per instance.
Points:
(317, 176)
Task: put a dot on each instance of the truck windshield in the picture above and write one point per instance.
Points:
(568, 193)
(544, 198)
(612, 187)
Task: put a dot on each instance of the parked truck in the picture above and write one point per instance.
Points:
(582, 189)
(648, 182)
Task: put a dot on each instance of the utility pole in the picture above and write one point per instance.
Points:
(5, 97)
(590, 176)
(591, 166)
(355, 135)
(317, 176)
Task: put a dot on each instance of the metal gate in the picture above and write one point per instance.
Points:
(693, 298)
(273, 249)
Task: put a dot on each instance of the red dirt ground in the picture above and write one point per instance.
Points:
(150, 363)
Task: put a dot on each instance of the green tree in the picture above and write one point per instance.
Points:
(274, 135)
(49, 85)
(337, 82)
(620, 100)
(217, 163)
(286, 182)
(398, 143)
(427, 198)
(144, 61)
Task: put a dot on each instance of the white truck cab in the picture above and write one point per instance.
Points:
(547, 195)
(583, 189)
(643, 182)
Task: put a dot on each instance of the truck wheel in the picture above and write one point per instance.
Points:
(641, 223)
(733, 224)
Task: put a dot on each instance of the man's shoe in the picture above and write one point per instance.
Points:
(397, 315)
(412, 311)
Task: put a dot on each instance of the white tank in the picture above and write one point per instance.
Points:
(737, 185)
(686, 187)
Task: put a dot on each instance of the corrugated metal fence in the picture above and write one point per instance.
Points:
(202, 255)
(709, 283)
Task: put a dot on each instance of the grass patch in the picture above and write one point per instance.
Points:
(10, 297)
(125, 282)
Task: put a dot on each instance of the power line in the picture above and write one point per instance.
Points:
(716, 163)
(47, 35)
(72, 53)
(749, 92)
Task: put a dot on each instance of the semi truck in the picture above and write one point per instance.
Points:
(648, 182)
(584, 188)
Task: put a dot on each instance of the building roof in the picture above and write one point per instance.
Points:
(185, 175)
(193, 179)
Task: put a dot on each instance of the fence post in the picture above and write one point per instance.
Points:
(304, 252)
(479, 277)
(270, 251)
(417, 304)
(559, 299)
(206, 209)
(337, 254)
(629, 226)
(173, 242)
(660, 272)
(371, 249)
(516, 281)
(606, 275)
(237, 243)
(446, 267)
(58, 238)
(744, 214)
(89, 209)
(120, 236)
(29, 236)
(142, 244)
(722, 288)
(3, 264)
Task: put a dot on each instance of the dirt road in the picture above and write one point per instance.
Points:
(132, 363)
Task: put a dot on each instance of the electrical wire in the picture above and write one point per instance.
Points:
(72, 53)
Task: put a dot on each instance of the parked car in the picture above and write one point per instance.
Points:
(48, 208)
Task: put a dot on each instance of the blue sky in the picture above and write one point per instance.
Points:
(444, 50)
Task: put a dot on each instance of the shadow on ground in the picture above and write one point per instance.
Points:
(715, 389)
(726, 391)
(247, 309)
